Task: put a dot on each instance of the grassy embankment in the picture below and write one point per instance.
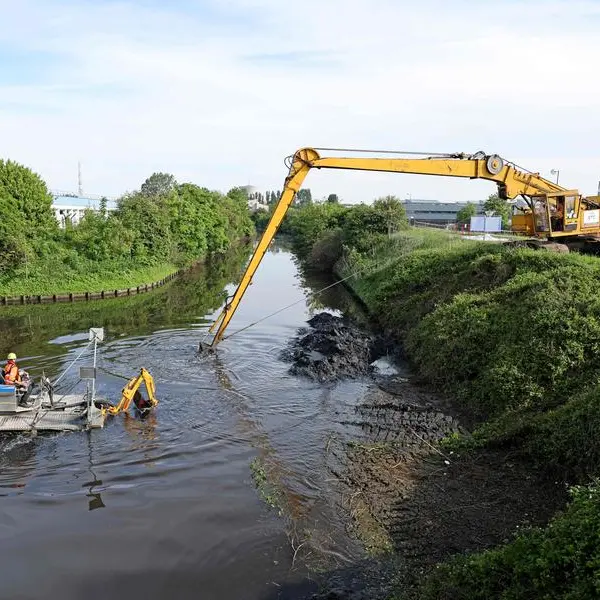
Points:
(46, 280)
(514, 337)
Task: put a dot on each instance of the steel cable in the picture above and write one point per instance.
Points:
(370, 272)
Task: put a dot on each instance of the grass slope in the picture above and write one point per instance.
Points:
(49, 278)
(514, 336)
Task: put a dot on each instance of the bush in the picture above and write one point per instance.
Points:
(359, 228)
(327, 250)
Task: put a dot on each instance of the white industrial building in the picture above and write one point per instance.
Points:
(69, 207)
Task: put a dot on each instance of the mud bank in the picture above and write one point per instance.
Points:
(423, 505)
(411, 503)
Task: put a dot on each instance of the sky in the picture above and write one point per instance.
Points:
(220, 92)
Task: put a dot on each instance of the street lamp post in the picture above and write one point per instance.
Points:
(557, 173)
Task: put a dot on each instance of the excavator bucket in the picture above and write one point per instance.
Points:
(131, 393)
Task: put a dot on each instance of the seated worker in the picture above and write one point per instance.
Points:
(11, 371)
(556, 218)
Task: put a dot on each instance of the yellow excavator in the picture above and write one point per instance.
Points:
(131, 393)
(550, 212)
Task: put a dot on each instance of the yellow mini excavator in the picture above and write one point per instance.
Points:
(131, 392)
(550, 213)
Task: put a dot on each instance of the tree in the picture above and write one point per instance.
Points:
(14, 243)
(304, 197)
(158, 185)
(393, 211)
(268, 197)
(499, 207)
(25, 192)
(333, 199)
(466, 212)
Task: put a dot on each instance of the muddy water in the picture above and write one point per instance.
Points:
(167, 507)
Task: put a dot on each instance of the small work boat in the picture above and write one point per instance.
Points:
(23, 410)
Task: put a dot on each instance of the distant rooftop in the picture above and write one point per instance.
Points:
(440, 203)
(82, 202)
(436, 211)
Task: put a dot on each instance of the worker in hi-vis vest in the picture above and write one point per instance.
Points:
(11, 370)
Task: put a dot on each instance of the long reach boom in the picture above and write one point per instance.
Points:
(512, 182)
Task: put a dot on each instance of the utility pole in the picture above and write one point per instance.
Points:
(79, 179)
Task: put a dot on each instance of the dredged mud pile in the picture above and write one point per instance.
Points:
(331, 349)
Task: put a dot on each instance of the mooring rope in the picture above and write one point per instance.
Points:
(72, 363)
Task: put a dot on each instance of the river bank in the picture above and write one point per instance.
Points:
(505, 340)
(155, 231)
(104, 279)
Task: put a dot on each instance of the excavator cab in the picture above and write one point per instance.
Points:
(552, 214)
(563, 212)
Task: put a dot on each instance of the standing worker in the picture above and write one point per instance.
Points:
(11, 371)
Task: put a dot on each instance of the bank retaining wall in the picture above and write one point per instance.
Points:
(78, 296)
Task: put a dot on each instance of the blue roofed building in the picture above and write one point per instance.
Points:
(71, 207)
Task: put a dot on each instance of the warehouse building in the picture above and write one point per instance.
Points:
(436, 212)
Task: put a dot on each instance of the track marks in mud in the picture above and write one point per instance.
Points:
(405, 495)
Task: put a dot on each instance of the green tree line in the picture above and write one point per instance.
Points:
(321, 232)
(164, 222)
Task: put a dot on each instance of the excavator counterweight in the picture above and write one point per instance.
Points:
(552, 211)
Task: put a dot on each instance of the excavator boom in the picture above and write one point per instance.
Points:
(512, 182)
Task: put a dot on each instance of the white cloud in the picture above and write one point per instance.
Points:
(219, 93)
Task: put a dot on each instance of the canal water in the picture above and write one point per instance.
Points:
(227, 490)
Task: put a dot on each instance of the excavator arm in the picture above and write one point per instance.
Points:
(131, 393)
(512, 182)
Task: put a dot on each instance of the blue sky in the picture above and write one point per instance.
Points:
(219, 93)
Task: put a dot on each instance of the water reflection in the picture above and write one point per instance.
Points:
(41, 335)
(95, 501)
